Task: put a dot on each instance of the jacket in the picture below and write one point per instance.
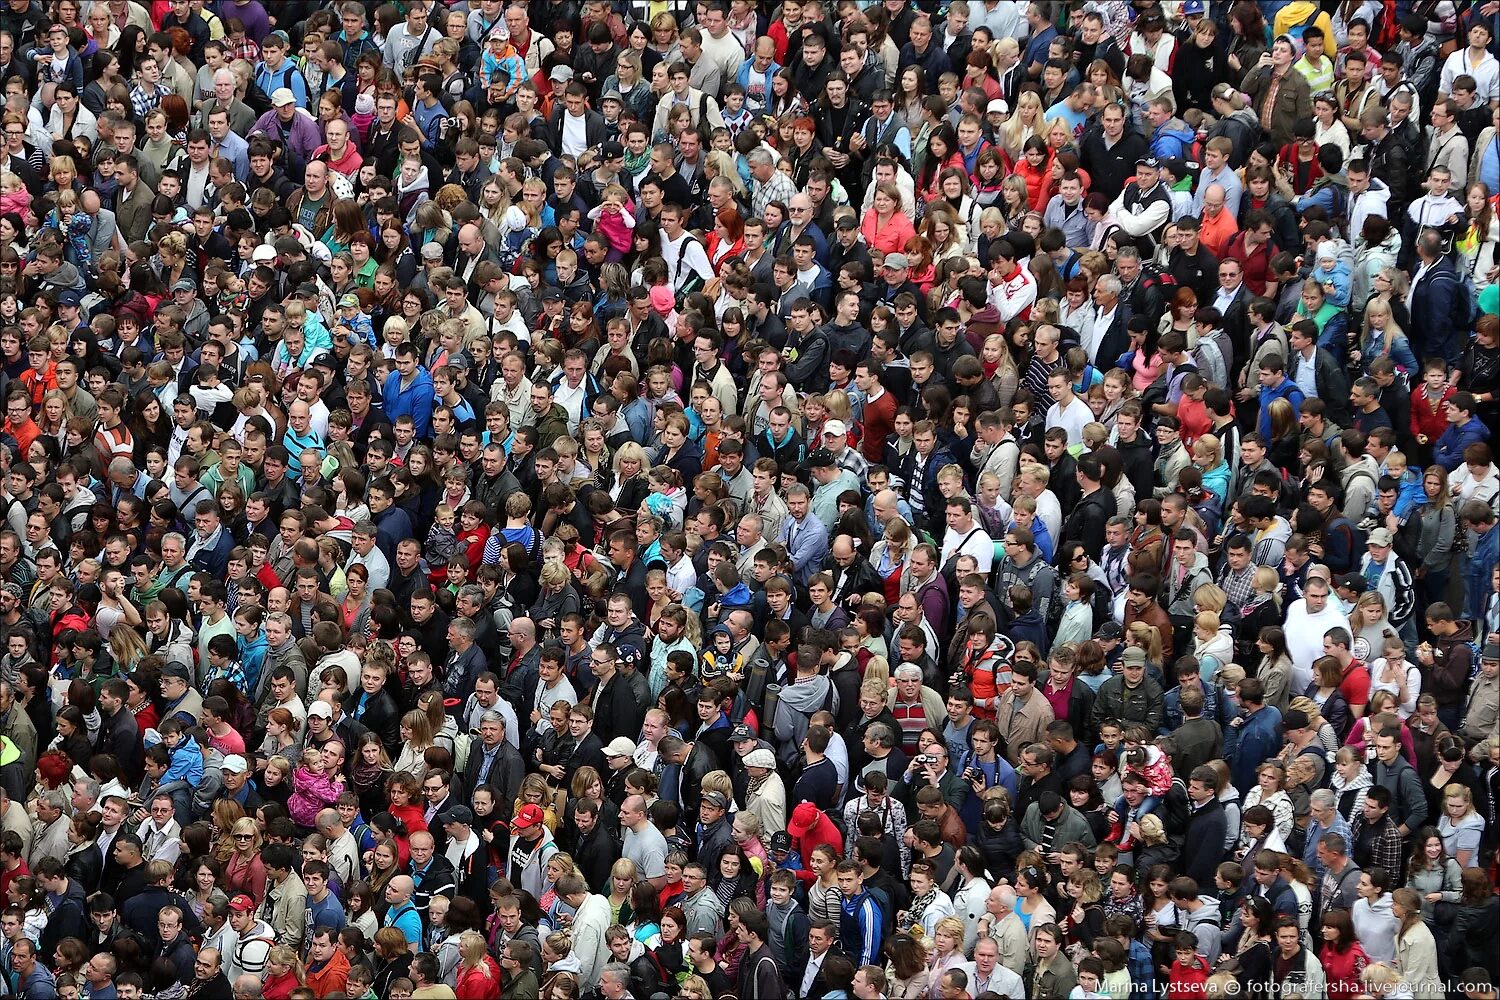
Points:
(1408, 801)
(1172, 138)
(1259, 740)
(1449, 449)
(1293, 100)
(1203, 844)
(1143, 703)
(1070, 826)
(1085, 523)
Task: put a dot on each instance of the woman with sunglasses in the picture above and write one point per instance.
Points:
(244, 872)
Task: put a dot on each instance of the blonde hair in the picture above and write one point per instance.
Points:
(1013, 135)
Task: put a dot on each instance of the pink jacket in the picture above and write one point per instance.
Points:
(311, 793)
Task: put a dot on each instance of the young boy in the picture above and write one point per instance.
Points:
(1189, 971)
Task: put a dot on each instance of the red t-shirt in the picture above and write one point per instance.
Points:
(1355, 687)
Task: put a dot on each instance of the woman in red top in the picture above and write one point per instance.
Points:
(885, 227)
(728, 238)
(1341, 955)
(1033, 168)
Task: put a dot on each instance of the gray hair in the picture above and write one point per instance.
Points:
(173, 536)
(122, 467)
(1323, 798)
(492, 716)
(1109, 285)
(57, 799)
(908, 671)
(618, 971)
(472, 592)
(760, 157)
(882, 734)
(464, 627)
(1128, 253)
(90, 787)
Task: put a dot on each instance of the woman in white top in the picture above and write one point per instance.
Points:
(1461, 825)
(1328, 127)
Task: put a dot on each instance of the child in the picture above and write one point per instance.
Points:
(1429, 404)
(667, 500)
(615, 221)
(719, 658)
(312, 790)
(187, 756)
(1410, 493)
(361, 982)
(442, 539)
(1189, 970)
(1090, 980)
(15, 198)
(736, 113)
(501, 67)
(1333, 274)
(362, 119)
(353, 316)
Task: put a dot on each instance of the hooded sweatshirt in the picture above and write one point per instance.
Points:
(795, 707)
(1375, 926)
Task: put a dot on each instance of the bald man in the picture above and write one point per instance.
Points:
(403, 914)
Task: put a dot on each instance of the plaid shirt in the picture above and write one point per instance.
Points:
(245, 49)
(1385, 847)
(143, 103)
(850, 460)
(1237, 586)
(779, 188)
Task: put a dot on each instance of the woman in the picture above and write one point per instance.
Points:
(946, 953)
(1026, 121)
(1436, 534)
(372, 768)
(1384, 339)
(1324, 690)
(1477, 245)
(478, 976)
(84, 862)
(1476, 926)
(243, 871)
(907, 969)
(1084, 921)
(403, 787)
(1435, 877)
(1351, 779)
(1416, 948)
(1031, 903)
(284, 973)
(1270, 791)
(1461, 825)
(1341, 954)
(885, 226)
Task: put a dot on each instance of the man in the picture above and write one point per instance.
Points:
(1391, 771)
(1203, 845)
(759, 977)
(1279, 94)
(1051, 975)
(285, 904)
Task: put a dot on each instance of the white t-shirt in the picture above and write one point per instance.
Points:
(1071, 418)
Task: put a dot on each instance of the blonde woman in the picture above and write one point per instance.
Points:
(244, 872)
(1416, 948)
(284, 972)
(1384, 338)
(1026, 120)
(416, 737)
(721, 164)
(478, 975)
(1270, 791)
(946, 952)
(1000, 367)
(1461, 825)
(631, 466)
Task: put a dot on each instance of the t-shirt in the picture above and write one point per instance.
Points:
(648, 849)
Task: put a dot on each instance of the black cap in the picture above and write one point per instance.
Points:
(1353, 582)
(1294, 719)
(611, 151)
(780, 841)
(821, 458)
(552, 295)
(741, 733)
(846, 222)
(1148, 161)
(458, 814)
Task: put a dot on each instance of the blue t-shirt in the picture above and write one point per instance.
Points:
(407, 921)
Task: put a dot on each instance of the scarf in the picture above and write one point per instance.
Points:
(366, 775)
(635, 163)
(919, 906)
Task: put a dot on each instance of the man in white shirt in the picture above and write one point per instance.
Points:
(964, 536)
(1067, 410)
(1476, 61)
(821, 935)
(1012, 288)
(682, 252)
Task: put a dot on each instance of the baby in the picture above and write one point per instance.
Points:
(1410, 493)
(1333, 274)
(353, 316)
(442, 539)
(15, 198)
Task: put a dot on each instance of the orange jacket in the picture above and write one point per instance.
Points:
(332, 978)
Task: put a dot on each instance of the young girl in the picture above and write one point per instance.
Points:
(613, 219)
(312, 790)
(14, 198)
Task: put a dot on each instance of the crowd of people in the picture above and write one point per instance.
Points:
(716, 499)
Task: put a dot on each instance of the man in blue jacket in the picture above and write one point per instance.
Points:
(1434, 287)
(1484, 554)
(1275, 385)
(1260, 735)
(1464, 429)
(408, 392)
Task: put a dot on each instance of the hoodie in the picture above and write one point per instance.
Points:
(1204, 922)
(1449, 450)
(795, 707)
(1172, 138)
(1376, 926)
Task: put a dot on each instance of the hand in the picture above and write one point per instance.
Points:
(1433, 897)
(1421, 439)
(1265, 59)
(1114, 817)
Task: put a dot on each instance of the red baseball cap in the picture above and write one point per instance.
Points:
(527, 816)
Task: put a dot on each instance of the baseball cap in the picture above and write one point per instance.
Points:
(834, 427)
(1380, 536)
(234, 764)
(997, 107)
(741, 733)
(1108, 631)
(70, 298)
(1191, 8)
(846, 222)
(281, 97)
(1352, 582)
(321, 709)
(780, 841)
(561, 74)
(715, 799)
(349, 301)
(896, 260)
(552, 295)
(1148, 161)
(1177, 165)
(264, 253)
(1294, 719)
(175, 669)
(821, 458)
(611, 151)
(1134, 656)
(242, 903)
(184, 285)
(321, 358)
(620, 746)
(527, 816)
(760, 757)
(458, 361)
(458, 814)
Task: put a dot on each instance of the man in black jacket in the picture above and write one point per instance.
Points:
(1109, 155)
(1203, 847)
(1085, 522)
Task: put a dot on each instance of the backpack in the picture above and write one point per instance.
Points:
(694, 280)
(1465, 308)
